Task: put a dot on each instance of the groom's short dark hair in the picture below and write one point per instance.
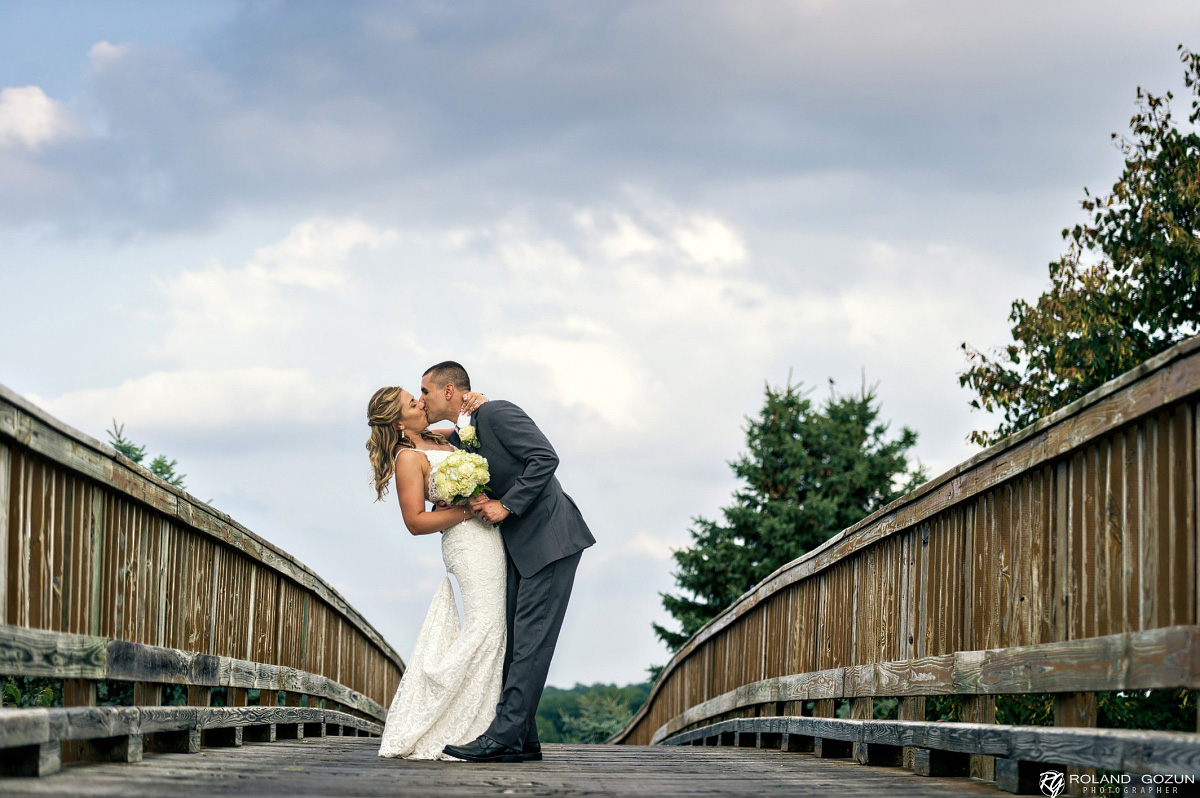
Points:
(449, 372)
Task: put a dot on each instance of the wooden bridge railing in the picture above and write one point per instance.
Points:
(1062, 560)
(108, 572)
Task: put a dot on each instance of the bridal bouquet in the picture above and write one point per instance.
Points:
(461, 476)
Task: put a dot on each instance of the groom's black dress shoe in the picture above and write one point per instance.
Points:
(485, 749)
(531, 752)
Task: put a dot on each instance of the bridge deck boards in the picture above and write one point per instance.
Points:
(349, 766)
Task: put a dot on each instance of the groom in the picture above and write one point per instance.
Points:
(544, 536)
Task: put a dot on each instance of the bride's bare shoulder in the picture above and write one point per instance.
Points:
(410, 458)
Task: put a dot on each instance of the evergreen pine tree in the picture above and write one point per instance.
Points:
(810, 472)
(160, 466)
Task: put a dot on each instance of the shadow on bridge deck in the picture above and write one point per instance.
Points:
(349, 766)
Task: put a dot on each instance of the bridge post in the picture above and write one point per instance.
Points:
(76, 693)
(931, 762)
(1019, 777)
(314, 729)
(147, 694)
(123, 748)
(265, 733)
(290, 731)
(185, 741)
(796, 743)
(911, 708)
(230, 737)
(980, 709)
(42, 759)
(826, 748)
(861, 709)
(1075, 709)
(201, 697)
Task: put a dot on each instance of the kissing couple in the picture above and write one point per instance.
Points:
(471, 690)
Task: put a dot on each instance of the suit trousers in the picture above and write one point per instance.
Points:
(535, 607)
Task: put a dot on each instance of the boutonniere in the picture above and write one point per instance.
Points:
(468, 438)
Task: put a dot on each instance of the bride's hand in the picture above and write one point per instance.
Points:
(471, 402)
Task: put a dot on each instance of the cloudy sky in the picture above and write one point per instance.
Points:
(225, 224)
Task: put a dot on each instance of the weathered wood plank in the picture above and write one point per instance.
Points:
(86, 723)
(29, 652)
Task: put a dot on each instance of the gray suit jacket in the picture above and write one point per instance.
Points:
(544, 524)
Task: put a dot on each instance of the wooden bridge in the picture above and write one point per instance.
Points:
(1061, 562)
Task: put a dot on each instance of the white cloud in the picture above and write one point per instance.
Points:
(710, 242)
(647, 545)
(625, 240)
(31, 119)
(598, 374)
(314, 254)
(102, 54)
(195, 399)
(544, 260)
(243, 315)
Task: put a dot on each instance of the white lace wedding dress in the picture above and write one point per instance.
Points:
(449, 692)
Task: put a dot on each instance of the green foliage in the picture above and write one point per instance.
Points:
(1025, 710)
(31, 691)
(114, 694)
(886, 708)
(1152, 710)
(1127, 288)
(117, 439)
(810, 472)
(1158, 710)
(40, 691)
(581, 714)
(600, 716)
(160, 466)
(943, 707)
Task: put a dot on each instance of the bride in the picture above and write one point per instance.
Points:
(449, 692)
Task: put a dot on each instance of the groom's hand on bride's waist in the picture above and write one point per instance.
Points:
(490, 510)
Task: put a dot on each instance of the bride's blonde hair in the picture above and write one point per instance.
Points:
(386, 442)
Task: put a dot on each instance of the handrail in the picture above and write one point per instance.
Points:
(1080, 526)
(33, 652)
(93, 544)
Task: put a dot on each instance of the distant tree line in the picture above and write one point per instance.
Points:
(588, 713)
